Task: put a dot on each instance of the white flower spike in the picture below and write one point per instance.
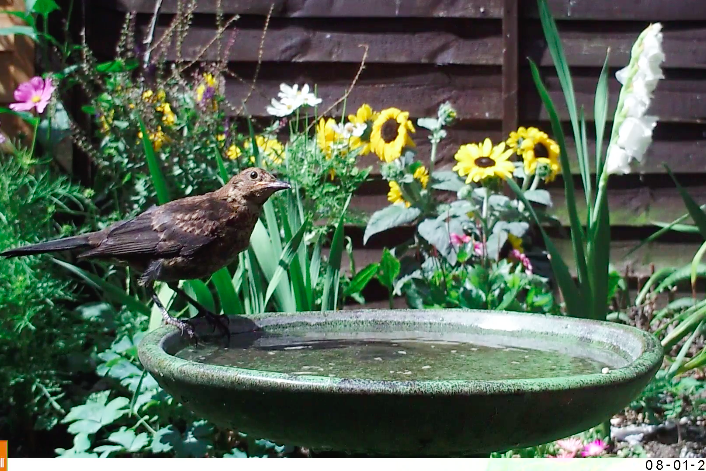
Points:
(632, 134)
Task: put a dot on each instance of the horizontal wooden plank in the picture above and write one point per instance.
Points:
(585, 45)
(317, 40)
(329, 8)
(610, 10)
(661, 255)
(680, 97)
(639, 206)
(474, 91)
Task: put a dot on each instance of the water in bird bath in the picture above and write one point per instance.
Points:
(414, 353)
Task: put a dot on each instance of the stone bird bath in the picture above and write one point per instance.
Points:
(406, 383)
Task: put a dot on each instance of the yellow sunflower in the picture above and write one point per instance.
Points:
(422, 176)
(271, 149)
(537, 148)
(515, 242)
(516, 138)
(326, 135)
(364, 115)
(390, 134)
(481, 161)
(394, 196)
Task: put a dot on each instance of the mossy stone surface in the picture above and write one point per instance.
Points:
(409, 418)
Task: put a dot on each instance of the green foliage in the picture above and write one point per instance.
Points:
(41, 337)
(668, 397)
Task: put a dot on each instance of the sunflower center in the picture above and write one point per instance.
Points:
(389, 130)
(540, 150)
(484, 162)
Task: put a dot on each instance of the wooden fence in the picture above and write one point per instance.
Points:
(16, 63)
(474, 54)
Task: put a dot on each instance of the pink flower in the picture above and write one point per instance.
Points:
(564, 455)
(522, 258)
(570, 445)
(459, 240)
(594, 448)
(478, 248)
(33, 94)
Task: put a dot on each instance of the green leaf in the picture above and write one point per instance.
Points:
(288, 254)
(41, 7)
(21, 30)
(428, 123)
(600, 114)
(24, 115)
(389, 269)
(695, 265)
(333, 272)
(434, 231)
(572, 296)
(695, 211)
(227, 294)
(551, 34)
(680, 275)
(160, 184)
(577, 234)
(201, 293)
(539, 196)
(109, 289)
(127, 439)
(95, 413)
(495, 243)
(361, 279)
(118, 65)
(447, 180)
(392, 216)
(51, 132)
(235, 453)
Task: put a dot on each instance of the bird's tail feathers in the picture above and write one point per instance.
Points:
(67, 243)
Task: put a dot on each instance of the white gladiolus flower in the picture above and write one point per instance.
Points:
(633, 134)
(618, 161)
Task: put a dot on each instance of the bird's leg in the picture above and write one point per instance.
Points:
(184, 326)
(220, 322)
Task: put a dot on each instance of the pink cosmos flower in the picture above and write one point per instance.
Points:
(459, 240)
(594, 448)
(570, 445)
(33, 94)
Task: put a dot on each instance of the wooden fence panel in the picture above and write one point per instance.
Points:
(474, 54)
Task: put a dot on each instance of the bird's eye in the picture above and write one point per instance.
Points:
(253, 175)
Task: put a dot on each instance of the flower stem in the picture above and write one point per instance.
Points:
(34, 138)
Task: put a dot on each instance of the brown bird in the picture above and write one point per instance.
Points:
(185, 239)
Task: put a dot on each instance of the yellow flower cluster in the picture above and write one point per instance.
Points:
(331, 141)
(536, 148)
(395, 195)
(206, 90)
(158, 138)
(271, 149)
(478, 162)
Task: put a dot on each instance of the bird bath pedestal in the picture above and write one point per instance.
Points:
(406, 383)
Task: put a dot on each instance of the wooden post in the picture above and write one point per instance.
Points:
(510, 65)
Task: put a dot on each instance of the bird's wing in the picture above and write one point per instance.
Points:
(177, 228)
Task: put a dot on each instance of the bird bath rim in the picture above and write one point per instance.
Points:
(641, 350)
